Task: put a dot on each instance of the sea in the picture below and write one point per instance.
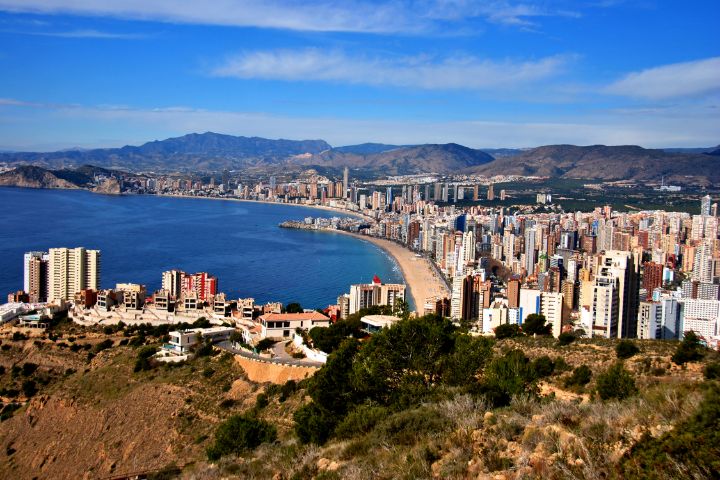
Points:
(140, 236)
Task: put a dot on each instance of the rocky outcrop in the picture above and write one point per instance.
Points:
(29, 176)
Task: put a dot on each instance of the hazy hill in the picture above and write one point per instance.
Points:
(205, 151)
(608, 163)
(445, 158)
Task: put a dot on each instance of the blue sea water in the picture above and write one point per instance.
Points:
(142, 236)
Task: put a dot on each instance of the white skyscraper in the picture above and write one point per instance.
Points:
(72, 270)
(346, 182)
(705, 205)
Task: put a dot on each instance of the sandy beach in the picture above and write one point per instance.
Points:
(420, 277)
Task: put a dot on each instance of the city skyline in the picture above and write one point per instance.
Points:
(497, 74)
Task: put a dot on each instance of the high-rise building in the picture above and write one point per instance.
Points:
(616, 294)
(705, 205)
(346, 182)
(367, 295)
(513, 293)
(530, 254)
(35, 266)
(491, 192)
(179, 284)
(552, 308)
(172, 282)
(71, 270)
(652, 278)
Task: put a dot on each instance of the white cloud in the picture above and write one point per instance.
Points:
(678, 80)
(696, 127)
(410, 16)
(459, 72)
(84, 33)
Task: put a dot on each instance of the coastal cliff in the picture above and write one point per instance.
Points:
(29, 176)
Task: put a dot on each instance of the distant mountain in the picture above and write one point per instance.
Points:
(715, 152)
(192, 152)
(502, 152)
(446, 158)
(367, 148)
(690, 150)
(608, 163)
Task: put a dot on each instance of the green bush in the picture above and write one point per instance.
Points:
(580, 377)
(407, 426)
(690, 450)
(712, 371)
(616, 383)
(264, 344)
(544, 366)
(360, 420)
(535, 324)
(294, 307)
(261, 401)
(507, 330)
(689, 350)
(626, 349)
(287, 389)
(144, 356)
(314, 424)
(104, 345)
(508, 376)
(238, 434)
(566, 338)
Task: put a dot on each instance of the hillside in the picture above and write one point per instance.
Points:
(29, 176)
(192, 152)
(466, 407)
(446, 158)
(608, 163)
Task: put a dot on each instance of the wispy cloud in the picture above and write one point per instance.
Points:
(391, 16)
(83, 33)
(677, 80)
(425, 72)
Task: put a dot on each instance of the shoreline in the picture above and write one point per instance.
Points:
(419, 276)
(318, 207)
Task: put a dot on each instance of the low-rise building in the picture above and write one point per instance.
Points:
(182, 340)
(281, 325)
(374, 323)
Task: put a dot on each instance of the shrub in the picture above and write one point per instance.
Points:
(104, 345)
(544, 366)
(238, 434)
(29, 388)
(616, 383)
(261, 401)
(143, 359)
(508, 376)
(314, 424)
(287, 389)
(626, 349)
(17, 336)
(361, 420)
(264, 344)
(712, 371)
(534, 324)
(689, 350)
(507, 330)
(690, 450)
(405, 427)
(580, 377)
(29, 368)
(566, 338)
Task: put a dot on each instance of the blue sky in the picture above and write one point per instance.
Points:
(503, 73)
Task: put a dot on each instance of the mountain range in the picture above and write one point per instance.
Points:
(212, 152)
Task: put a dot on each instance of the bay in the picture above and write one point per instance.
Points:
(142, 236)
